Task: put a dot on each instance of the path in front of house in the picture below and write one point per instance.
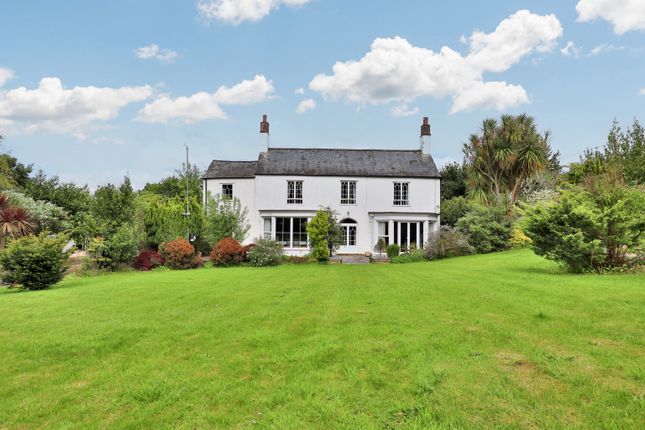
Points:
(354, 259)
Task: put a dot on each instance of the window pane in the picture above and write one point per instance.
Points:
(300, 232)
(400, 193)
(294, 192)
(348, 193)
(404, 236)
(227, 190)
(282, 230)
(351, 236)
(413, 234)
(267, 228)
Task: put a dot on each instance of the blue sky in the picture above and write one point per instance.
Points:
(91, 91)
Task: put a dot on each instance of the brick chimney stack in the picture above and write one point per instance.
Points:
(425, 136)
(264, 129)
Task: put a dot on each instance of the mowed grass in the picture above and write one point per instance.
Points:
(503, 340)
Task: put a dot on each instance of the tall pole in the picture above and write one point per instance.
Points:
(187, 213)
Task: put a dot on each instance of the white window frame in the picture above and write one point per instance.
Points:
(294, 192)
(290, 243)
(403, 198)
(348, 193)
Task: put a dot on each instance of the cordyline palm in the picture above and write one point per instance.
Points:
(14, 222)
(503, 157)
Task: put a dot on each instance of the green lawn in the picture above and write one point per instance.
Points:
(503, 340)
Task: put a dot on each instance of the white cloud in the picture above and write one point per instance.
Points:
(153, 51)
(305, 105)
(396, 71)
(237, 11)
(641, 92)
(299, 91)
(515, 37)
(570, 49)
(604, 48)
(203, 105)
(402, 110)
(624, 15)
(108, 141)
(5, 75)
(52, 108)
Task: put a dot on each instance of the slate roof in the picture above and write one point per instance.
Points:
(329, 162)
(220, 169)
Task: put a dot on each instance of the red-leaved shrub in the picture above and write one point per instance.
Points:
(179, 254)
(227, 252)
(148, 260)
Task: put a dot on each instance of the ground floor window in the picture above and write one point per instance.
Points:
(384, 232)
(291, 232)
(299, 233)
(268, 228)
(409, 235)
(349, 229)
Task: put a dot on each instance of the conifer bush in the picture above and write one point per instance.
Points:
(34, 262)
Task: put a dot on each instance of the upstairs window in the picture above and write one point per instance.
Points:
(294, 192)
(401, 194)
(348, 192)
(227, 191)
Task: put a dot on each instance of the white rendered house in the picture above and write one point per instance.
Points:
(389, 194)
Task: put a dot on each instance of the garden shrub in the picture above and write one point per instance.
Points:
(247, 249)
(454, 209)
(519, 239)
(179, 254)
(594, 227)
(446, 242)
(380, 246)
(408, 257)
(227, 252)
(266, 252)
(97, 258)
(393, 250)
(225, 217)
(148, 259)
(122, 247)
(487, 227)
(34, 262)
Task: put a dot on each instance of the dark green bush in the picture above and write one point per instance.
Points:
(488, 228)
(34, 262)
(594, 227)
(445, 243)
(266, 252)
(454, 209)
(122, 247)
(409, 257)
(393, 250)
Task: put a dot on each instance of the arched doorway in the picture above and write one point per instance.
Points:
(349, 228)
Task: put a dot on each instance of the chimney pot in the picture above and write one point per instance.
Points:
(264, 125)
(425, 127)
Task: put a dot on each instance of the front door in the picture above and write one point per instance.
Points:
(350, 233)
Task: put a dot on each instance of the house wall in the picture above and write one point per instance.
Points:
(244, 190)
(266, 196)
